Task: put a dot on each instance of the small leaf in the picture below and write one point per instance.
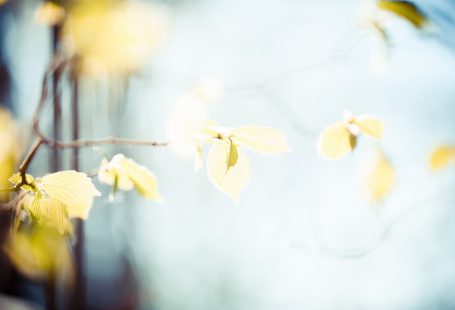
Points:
(404, 9)
(441, 157)
(261, 139)
(381, 178)
(73, 189)
(231, 181)
(369, 126)
(128, 174)
(233, 155)
(336, 141)
(112, 173)
(16, 179)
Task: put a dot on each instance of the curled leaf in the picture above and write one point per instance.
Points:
(126, 174)
(233, 155)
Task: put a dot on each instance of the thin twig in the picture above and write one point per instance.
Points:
(58, 144)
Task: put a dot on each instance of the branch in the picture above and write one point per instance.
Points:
(58, 144)
(104, 141)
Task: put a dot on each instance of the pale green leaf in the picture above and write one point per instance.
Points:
(73, 189)
(231, 181)
(127, 173)
(261, 139)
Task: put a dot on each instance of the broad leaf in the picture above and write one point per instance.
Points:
(73, 189)
(369, 126)
(233, 180)
(336, 141)
(261, 139)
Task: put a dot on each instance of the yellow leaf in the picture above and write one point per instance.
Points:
(336, 141)
(369, 126)
(50, 212)
(441, 157)
(113, 37)
(233, 180)
(40, 254)
(381, 178)
(73, 189)
(49, 13)
(112, 173)
(261, 139)
(404, 9)
(233, 155)
(126, 173)
(17, 178)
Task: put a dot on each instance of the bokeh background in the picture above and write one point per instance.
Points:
(303, 235)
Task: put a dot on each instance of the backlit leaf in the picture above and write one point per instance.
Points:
(369, 126)
(336, 141)
(233, 180)
(50, 212)
(73, 189)
(113, 37)
(128, 174)
(40, 254)
(381, 179)
(441, 157)
(261, 139)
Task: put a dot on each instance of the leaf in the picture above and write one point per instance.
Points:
(441, 157)
(233, 180)
(112, 173)
(128, 174)
(17, 178)
(261, 139)
(381, 178)
(369, 126)
(233, 155)
(51, 212)
(49, 13)
(404, 9)
(73, 189)
(40, 254)
(336, 141)
(127, 34)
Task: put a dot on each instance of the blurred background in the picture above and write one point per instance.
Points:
(304, 234)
